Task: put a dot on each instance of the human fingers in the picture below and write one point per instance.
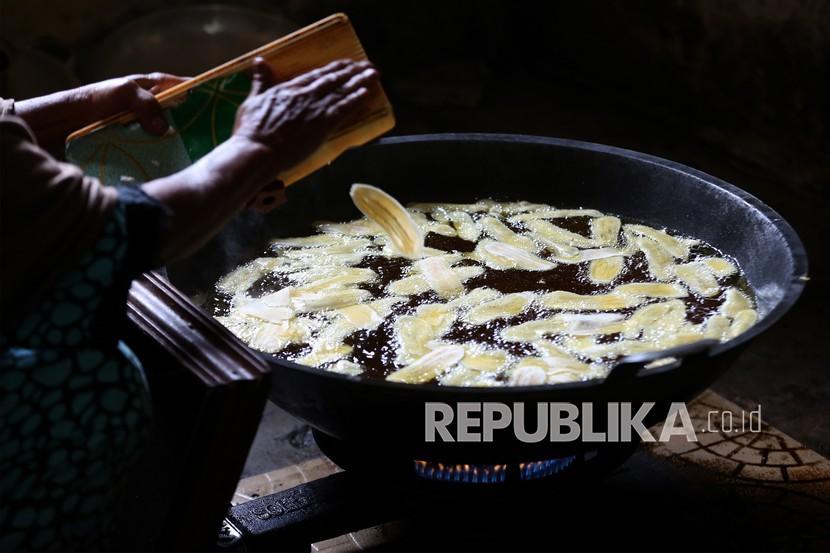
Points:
(311, 76)
(146, 108)
(262, 77)
(360, 80)
(335, 79)
(157, 82)
(340, 110)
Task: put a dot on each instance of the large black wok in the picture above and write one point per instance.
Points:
(564, 173)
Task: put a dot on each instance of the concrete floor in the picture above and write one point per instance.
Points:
(784, 370)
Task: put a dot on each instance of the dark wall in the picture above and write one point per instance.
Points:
(737, 88)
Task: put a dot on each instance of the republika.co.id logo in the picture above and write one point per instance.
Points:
(557, 422)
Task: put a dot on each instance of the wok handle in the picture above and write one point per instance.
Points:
(631, 366)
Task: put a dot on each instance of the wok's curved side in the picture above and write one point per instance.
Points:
(465, 167)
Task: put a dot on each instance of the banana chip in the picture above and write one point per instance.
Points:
(498, 255)
(698, 277)
(605, 270)
(677, 247)
(505, 306)
(606, 230)
(374, 279)
(390, 215)
(598, 302)
(440, 276)
(500, 232)
(551, 233)
(429, 366)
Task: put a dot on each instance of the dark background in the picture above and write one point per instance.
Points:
(738, 89)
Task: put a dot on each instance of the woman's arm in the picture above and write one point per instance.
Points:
(276, 127)
(53, 117)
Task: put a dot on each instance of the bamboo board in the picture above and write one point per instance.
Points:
(327, 40)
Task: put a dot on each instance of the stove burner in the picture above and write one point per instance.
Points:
(490, 474)
(541, 469)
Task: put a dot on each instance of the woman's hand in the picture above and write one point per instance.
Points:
(294, 118)
(54, 117)
(134, 93)
(276, 127)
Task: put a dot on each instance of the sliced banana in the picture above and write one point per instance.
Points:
(576, 324)
(416, 332)
(409, 286)
(698, 277)
(505, 306)
(429, 366)
(312, 280)
(552, 213)
(306, 241)
(605, 270)
(591, 323)
(413, 335)
(266, 336)
(347, 367)
(720, 266)
(426, 226)
(606, 230)
(241, 278)
(597, 302)
(659, 260)
(677, 247)
(742, 322)
(716, 327)
(323, 303)
(440, 276)
(734, 302)
(652, 290)
(343, 246)
(671, 313)
(438, 315)
(325, 353)
(484, 360)
(474, 297)
(390, 215)
(532, 330)
(462, 376)
(360, 227)
(600, 253)
(501, 233)
(549, 232)
(464, 225)
(547, 370)
(517, 207)
(528, 374)
(498, 255)
(361, 316)
(264, 312)
(330, 298)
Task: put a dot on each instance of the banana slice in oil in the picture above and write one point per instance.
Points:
(603, 271)
(391, 216)
(505, 306)
(698, 277)
(429, 366)
(440, 276)
(606, 230)
(498, 255)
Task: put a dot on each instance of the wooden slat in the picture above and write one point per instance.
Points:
(327, 40)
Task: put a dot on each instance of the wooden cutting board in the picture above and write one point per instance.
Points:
(313, 46)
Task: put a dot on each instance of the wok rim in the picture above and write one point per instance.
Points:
(790, 296)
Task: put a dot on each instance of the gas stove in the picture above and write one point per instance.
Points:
(731, 490)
